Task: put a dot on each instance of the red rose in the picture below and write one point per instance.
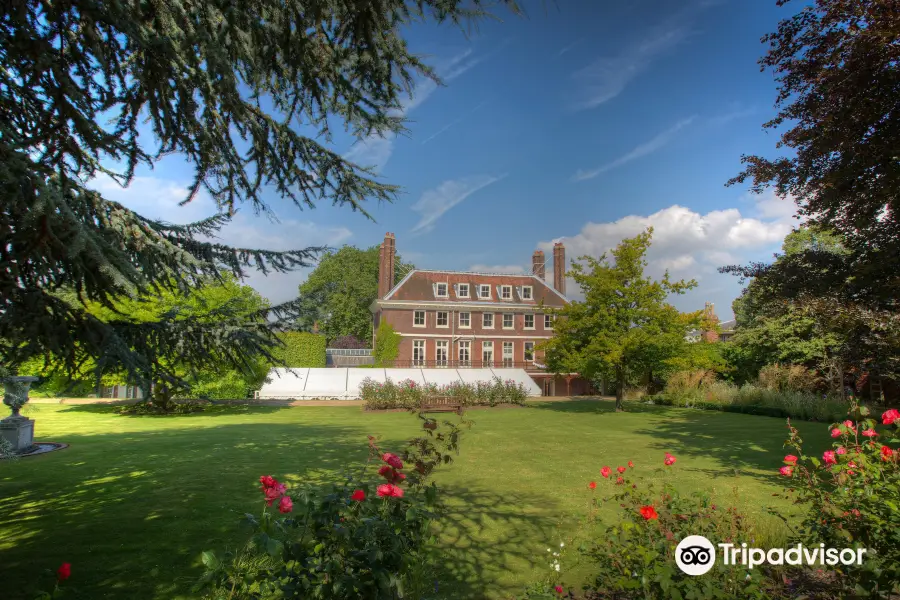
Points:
(886, 453)
(835, 433)
(384, 490)
(869, 433)
(786, 471)
(790, 459)
(396, 491)
(828, 457)
(670, 460)
(286, 505)
(267, 481)
(559, 589)
(630, 465)
(592, 485)
(890, 416)
(385, 471)
(649, 513)
(848, 423)
(63, 572)
(619, 481)
(358, 495)
(605, 471)
(620, 469)
(392, 460)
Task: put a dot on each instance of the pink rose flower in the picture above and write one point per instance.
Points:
(670, 460)
(392, 460)
(890, 416)
(829, 458)
(790, 459)
(842, 450)
(848, 423)
(286, 505)
(786, 471)
(869, 433)
(605, 471)
(620, 469)
(835, 433)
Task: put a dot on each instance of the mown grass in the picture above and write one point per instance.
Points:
(134, 500)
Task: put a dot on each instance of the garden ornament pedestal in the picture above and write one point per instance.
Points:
(16, 429)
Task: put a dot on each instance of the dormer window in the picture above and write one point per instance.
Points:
(527, 292)
(440, 290)
(484, 292)
(463, 290)
(506, 292)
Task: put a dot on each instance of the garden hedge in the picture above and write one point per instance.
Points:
(301, 349)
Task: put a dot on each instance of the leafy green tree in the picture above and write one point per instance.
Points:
(836, 64)
(338, 292)
(624, 327)
(227, 86)
(202, 305)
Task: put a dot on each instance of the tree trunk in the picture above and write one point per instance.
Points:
(620, 388)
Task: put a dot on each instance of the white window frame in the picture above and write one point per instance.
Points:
(437, 319)
(419, 362)
(437, 290)
(525, 320)
(525, 351)
(460, 288)
(493, 320)
(503, 290)
(512, 317)
(530, 295)
(424, 318)
(481, 289)
(548, 319)
(508, 358)
(438, 345)
(468, 324)
(485, 346)
(467, 346)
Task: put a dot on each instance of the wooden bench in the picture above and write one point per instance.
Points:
(441, 404)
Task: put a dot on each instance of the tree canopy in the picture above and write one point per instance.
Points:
(837, 64)
(624, 327)
(105, 88)
(338, 292)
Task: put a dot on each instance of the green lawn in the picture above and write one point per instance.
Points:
(133, 500)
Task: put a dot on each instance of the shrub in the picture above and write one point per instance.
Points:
(851, 498)
(788, 378)
(411, 395)
(300, 349)
(366, 537)
(348, 342)
(387, 345)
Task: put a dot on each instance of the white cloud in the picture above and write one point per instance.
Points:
(375, 151)
(637, 152)
(500, 269)
(689, 244)
(434, 203)
(159, 199)
(607, 77)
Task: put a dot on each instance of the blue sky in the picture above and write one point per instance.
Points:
(584, 122)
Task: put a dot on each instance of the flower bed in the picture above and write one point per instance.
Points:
(409, 395)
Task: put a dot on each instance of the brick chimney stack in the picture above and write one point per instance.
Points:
(538, 264)
(559, 267)
(387, 252)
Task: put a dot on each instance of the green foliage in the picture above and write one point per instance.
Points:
(84, 82)
(409, 394)
(300, 349)
(788, 378)
(701, 391)
(701, 355)
(338, 292)
(624, 326)
(387, 345)
(332, 545)
(854, 502)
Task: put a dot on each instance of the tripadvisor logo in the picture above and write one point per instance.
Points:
(696, 555)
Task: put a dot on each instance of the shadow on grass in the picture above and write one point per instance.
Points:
(595, 406)
(212, 410)
(485, 534)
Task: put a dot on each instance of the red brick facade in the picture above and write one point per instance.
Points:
(457, 319)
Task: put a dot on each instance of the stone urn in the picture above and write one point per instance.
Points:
(16, 429)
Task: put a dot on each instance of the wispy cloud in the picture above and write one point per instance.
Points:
(567, 48)
(375, 150)
(453, 123)
(434, 203)
(607, 77)
(637, 152)
(733, 115)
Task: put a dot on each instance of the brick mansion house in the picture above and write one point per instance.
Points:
(457, 319)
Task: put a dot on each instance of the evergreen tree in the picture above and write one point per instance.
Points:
(227, 86)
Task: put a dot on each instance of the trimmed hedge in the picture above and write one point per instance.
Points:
(301, 350)
(408, 394)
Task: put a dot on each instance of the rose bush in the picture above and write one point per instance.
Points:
(367, 537)
(851, 499)
(410, 395)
